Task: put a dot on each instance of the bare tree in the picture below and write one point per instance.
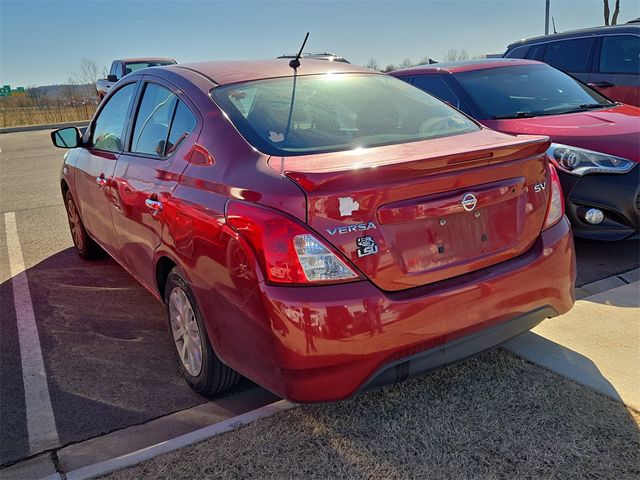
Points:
(373, 64)
(454, 54)
(616, 12)
(406, 63)
(389, 68)
(37, 96)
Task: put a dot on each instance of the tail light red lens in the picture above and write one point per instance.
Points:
(288, 252)
(555, 210)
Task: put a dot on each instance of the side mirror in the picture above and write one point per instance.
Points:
(112, 78)
(66, 137)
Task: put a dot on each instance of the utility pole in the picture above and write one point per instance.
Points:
(546, 17)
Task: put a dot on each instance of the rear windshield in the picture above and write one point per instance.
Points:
(527, 90)
(332, 112)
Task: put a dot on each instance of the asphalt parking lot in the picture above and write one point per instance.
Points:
(108, 361)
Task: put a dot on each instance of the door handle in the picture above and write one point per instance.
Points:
(603, 84)
(101, 180)
(154, 205)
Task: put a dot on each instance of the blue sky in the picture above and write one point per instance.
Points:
(42, 42)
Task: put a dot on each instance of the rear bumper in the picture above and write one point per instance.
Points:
(328, 342)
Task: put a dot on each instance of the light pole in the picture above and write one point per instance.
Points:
(546, 17)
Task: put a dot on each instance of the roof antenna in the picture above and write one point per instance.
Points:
(553, 20)
(295, 62)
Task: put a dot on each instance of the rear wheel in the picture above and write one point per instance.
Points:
(199, 365)
(86, 247)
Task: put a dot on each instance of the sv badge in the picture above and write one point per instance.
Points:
(539, 187)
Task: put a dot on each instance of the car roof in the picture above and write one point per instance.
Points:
(145, 59)
(592, 31)
(464, 66)
(227, 72)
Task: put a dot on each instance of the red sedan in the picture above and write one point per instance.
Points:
(320, 229)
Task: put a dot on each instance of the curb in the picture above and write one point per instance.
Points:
(608, 283)
(48, 126)
(128, 460)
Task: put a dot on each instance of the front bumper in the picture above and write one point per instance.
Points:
(618, 196)
(327, 342)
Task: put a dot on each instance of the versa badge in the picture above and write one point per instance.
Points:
(366, 246)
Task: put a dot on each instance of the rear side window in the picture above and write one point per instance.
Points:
(620, 54)
(183, 124)
(108, 129)
(435, 85)
(518, 52)
(572, 56)
(163, 121)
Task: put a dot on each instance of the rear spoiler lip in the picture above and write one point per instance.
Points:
(522, 146)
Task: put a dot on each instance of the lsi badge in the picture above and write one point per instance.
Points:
(366, 246)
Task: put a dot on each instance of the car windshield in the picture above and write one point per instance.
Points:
(332, 112)
(528, 90)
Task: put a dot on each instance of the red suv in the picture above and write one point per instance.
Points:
(319, 229)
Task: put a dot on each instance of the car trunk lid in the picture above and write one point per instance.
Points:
(411, 214)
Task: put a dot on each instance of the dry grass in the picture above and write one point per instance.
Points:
(493, 417)
(15, 117)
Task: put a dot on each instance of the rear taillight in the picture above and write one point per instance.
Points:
(288, 251)
(555, 210)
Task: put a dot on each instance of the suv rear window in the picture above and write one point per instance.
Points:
(332, 112)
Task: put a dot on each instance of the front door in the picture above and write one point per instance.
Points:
(164, 131)
(96, 165)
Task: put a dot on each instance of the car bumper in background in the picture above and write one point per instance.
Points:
(617, 196)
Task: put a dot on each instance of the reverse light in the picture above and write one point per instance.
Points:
(579, 161)
(555, 209)
(288, 252)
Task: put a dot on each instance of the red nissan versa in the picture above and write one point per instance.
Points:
(596, 141)
(319, 230)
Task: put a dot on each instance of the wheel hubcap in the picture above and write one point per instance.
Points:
(185, 330)
(74, 224)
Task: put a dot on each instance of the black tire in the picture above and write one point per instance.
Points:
(214, 377)
(86, 247)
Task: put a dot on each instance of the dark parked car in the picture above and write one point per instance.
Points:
(596, 142)
(319, 233)
(606, 58)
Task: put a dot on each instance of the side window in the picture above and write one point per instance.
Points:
(572, 56)
(153, 120)
(183, 124)
(436, 86)
(518, 52)
(620, 54)
(108, 129)
(162, 123)
(536, 52)
(113, 68)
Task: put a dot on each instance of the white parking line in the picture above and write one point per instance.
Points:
(41, 424)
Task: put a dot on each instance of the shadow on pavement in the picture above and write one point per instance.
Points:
(108, 358)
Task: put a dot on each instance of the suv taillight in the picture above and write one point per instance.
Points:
(555, 209)
(289, 253)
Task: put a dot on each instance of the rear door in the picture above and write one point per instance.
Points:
(165, 128)
(617, 68)
(96, 164)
